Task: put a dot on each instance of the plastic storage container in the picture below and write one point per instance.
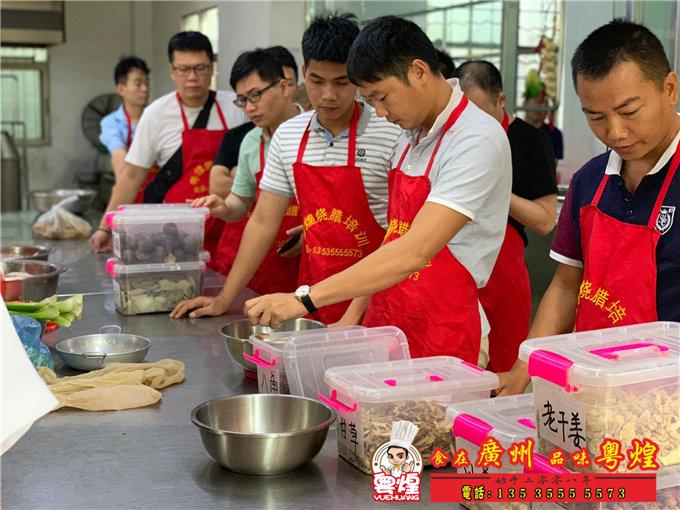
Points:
(303, 358)
(619, 383)
(157, 236)
(166, 208)
(150, 288)
(369, 398)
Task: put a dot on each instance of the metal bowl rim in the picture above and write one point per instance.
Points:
(324, 326)
(255, 435)
(60, 351)
(58, 269)
(42, 250)
(49, 193)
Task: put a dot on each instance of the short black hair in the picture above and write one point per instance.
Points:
(446, 65)
(258, 61)
(329, 38)
(400, 447)
(125, 65)
(481, 74)
(616, 42)
(190, 41)
(285, 58)
(387, 47)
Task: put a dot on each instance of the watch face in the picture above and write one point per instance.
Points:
(302, 291)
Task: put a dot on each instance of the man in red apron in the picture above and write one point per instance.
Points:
(506, 298)
(334, 160)
(616, 242)
(267, 98)
(181, 131)
(448, 204)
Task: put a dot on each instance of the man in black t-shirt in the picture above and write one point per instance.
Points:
(506, 299)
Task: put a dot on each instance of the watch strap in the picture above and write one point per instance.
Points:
(307, 302)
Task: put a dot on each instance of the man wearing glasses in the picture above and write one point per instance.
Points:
(266, 96)
(182, 132)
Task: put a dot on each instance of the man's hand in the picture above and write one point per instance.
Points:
(273, 309)
(218, 207)
(515, 381)
(201, 306)
(297, 249)
(100, 241)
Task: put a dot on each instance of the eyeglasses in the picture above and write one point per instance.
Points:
(253, 97)
(200, 70)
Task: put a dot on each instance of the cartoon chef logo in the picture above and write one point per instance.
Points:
(397, 466)
(664, 221)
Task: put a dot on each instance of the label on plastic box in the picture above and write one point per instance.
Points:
(116, 294)
(351, 433)
(561, 421)
(116, 245)
(269, 380)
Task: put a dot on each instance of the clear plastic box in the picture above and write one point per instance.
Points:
(150, 288)
(157, 236)
(369, 398)
(268, 353)
(619, 383)
(165, 208)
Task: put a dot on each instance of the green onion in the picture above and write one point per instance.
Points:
(47, 313)
(62, 321)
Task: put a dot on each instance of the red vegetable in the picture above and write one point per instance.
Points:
(51, 326)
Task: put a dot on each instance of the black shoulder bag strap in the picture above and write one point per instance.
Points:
(172, 171)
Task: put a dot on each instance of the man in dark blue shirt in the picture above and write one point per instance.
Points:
(617, 244)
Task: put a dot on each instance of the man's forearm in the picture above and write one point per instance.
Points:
(255, 243)
(126, 188)
(118, 162)
(221, 181)
(237, 208)
(356, 311)
(538, 215)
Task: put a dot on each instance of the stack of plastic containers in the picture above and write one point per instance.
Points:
(295, 362)
(619, 383)
(369, 398)
(159, 258)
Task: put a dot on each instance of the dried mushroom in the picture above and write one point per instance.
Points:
(156, 292)
(433, 429)
(619, 413)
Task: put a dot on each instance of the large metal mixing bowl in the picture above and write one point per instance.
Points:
(43, 201)
(237, 333)
(41, 283)
(94, 352)
(25, 252)
(263, 434)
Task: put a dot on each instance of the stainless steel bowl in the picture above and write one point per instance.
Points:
(94, 352)
(42, 282)
(237, 333)
(43, 201)
(25, 252)
(263, 434)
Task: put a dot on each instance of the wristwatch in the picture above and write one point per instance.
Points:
(302, 295)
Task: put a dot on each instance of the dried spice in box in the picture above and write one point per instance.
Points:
(619, 383)
(369, 398)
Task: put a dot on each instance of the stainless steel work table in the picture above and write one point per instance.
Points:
(153, 457)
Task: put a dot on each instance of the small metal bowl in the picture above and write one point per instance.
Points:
(43, 201)
(94, 352)
(25, 252)
(41, 283)
(262, 434)
(236, 334)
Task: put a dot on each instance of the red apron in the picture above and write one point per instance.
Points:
(276, 273)
(619, 259)
(199, 147)
(436, 307)
(506, 299)
(153, 171)
(340, 228)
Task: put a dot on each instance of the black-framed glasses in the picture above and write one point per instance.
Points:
(253, 97)
(200, 70)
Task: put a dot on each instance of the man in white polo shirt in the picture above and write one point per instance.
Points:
(192, 116)
(335, 160)
(449, 201)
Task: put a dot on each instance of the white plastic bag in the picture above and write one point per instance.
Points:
(58, 223)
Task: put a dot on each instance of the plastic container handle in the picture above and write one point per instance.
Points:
(552, 367)
(471, 428)
(543, 467)
(109, 219)
(527, 423)
(259, 361)
(110, 264)
(467, 364)
(336, 404)
(614, 353)
(113, 327)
